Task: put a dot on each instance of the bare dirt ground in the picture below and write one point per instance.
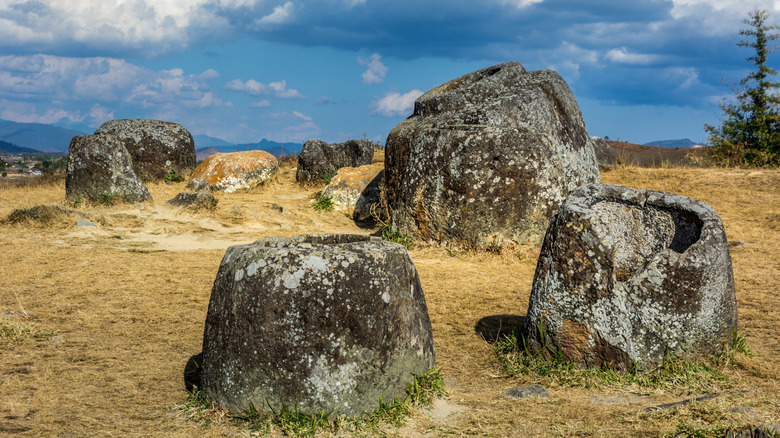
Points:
(97, 324)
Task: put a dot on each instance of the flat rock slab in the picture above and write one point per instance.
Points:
(234, 171)
(528, 391)
(629, 277)
(316, 322)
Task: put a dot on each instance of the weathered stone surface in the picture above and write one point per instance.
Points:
(194, 200)
(629, 277)
(99, 165)
(605, 155)
(534, 390)
(488, 156)
(316, 322)
(318, 158)
(234, 171)
(155, 146)
(356, 190)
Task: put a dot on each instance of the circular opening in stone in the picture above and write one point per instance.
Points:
(333, 239)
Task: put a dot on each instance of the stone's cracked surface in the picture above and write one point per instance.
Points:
(488, 156)
(318, 322)
(155, 146)
(629, 277)
(234, 171)
(318, 158)
(98, 166)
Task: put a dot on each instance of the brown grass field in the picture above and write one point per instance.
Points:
(128, 300)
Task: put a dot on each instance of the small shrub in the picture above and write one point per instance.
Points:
(323, 203)
(173, 177)
(397, 237)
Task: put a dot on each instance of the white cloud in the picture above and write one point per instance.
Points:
(376, 71)
(280, 15)
(25, 112)
(396, 104)
(300, 115)
(719, 17)
(261, 103)
(519, 4)
(255, 88)
(100, 114)
(623, 56)
(98, 79)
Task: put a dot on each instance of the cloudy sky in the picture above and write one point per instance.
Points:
(291, 70)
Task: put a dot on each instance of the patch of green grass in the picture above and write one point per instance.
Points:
(173, 177)
(397, 237)
(14, 332)
(323, 203)
(425, 388)
(550, 367)
(326, 175)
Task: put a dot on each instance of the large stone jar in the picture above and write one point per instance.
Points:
(629, 277)
(315, 322)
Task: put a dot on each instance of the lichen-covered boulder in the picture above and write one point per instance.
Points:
(234, 171)
(318, 158)
(628, 277)
(488, 156)
(356, 189)
(99, 166)
(605, 155)
(156, 147)
(315, 322)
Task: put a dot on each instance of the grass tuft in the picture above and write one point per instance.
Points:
(397, 237)
(550, 367)
(323, 203)
(425, 388)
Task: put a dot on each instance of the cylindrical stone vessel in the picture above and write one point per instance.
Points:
(315, 322)
(630, 277)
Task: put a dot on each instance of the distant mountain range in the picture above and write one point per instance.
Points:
(37, 136)
(16, 137)
(683, 143)
(274, 148)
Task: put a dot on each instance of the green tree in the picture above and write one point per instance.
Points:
(750, 132)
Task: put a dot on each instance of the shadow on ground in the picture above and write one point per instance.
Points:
(192, 372)
(491, 328)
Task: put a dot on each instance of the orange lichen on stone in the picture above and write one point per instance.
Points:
(234, 171)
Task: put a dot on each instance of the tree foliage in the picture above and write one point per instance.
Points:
(750, 132)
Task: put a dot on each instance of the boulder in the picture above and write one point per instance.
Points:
(605, 155)
(194, 201)
(234, 171)
(316, 322)
(100, 166)
(318, 158)
(629, 277)
(487, 157)
(156, 147)
(356, 190)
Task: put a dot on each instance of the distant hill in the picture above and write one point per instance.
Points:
(682, 143)
(274, 148)
(14, 149)
(38, 136)
(205, 141)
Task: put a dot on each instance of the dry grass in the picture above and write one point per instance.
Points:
(130, 299)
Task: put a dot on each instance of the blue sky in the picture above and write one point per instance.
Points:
(291, 70)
